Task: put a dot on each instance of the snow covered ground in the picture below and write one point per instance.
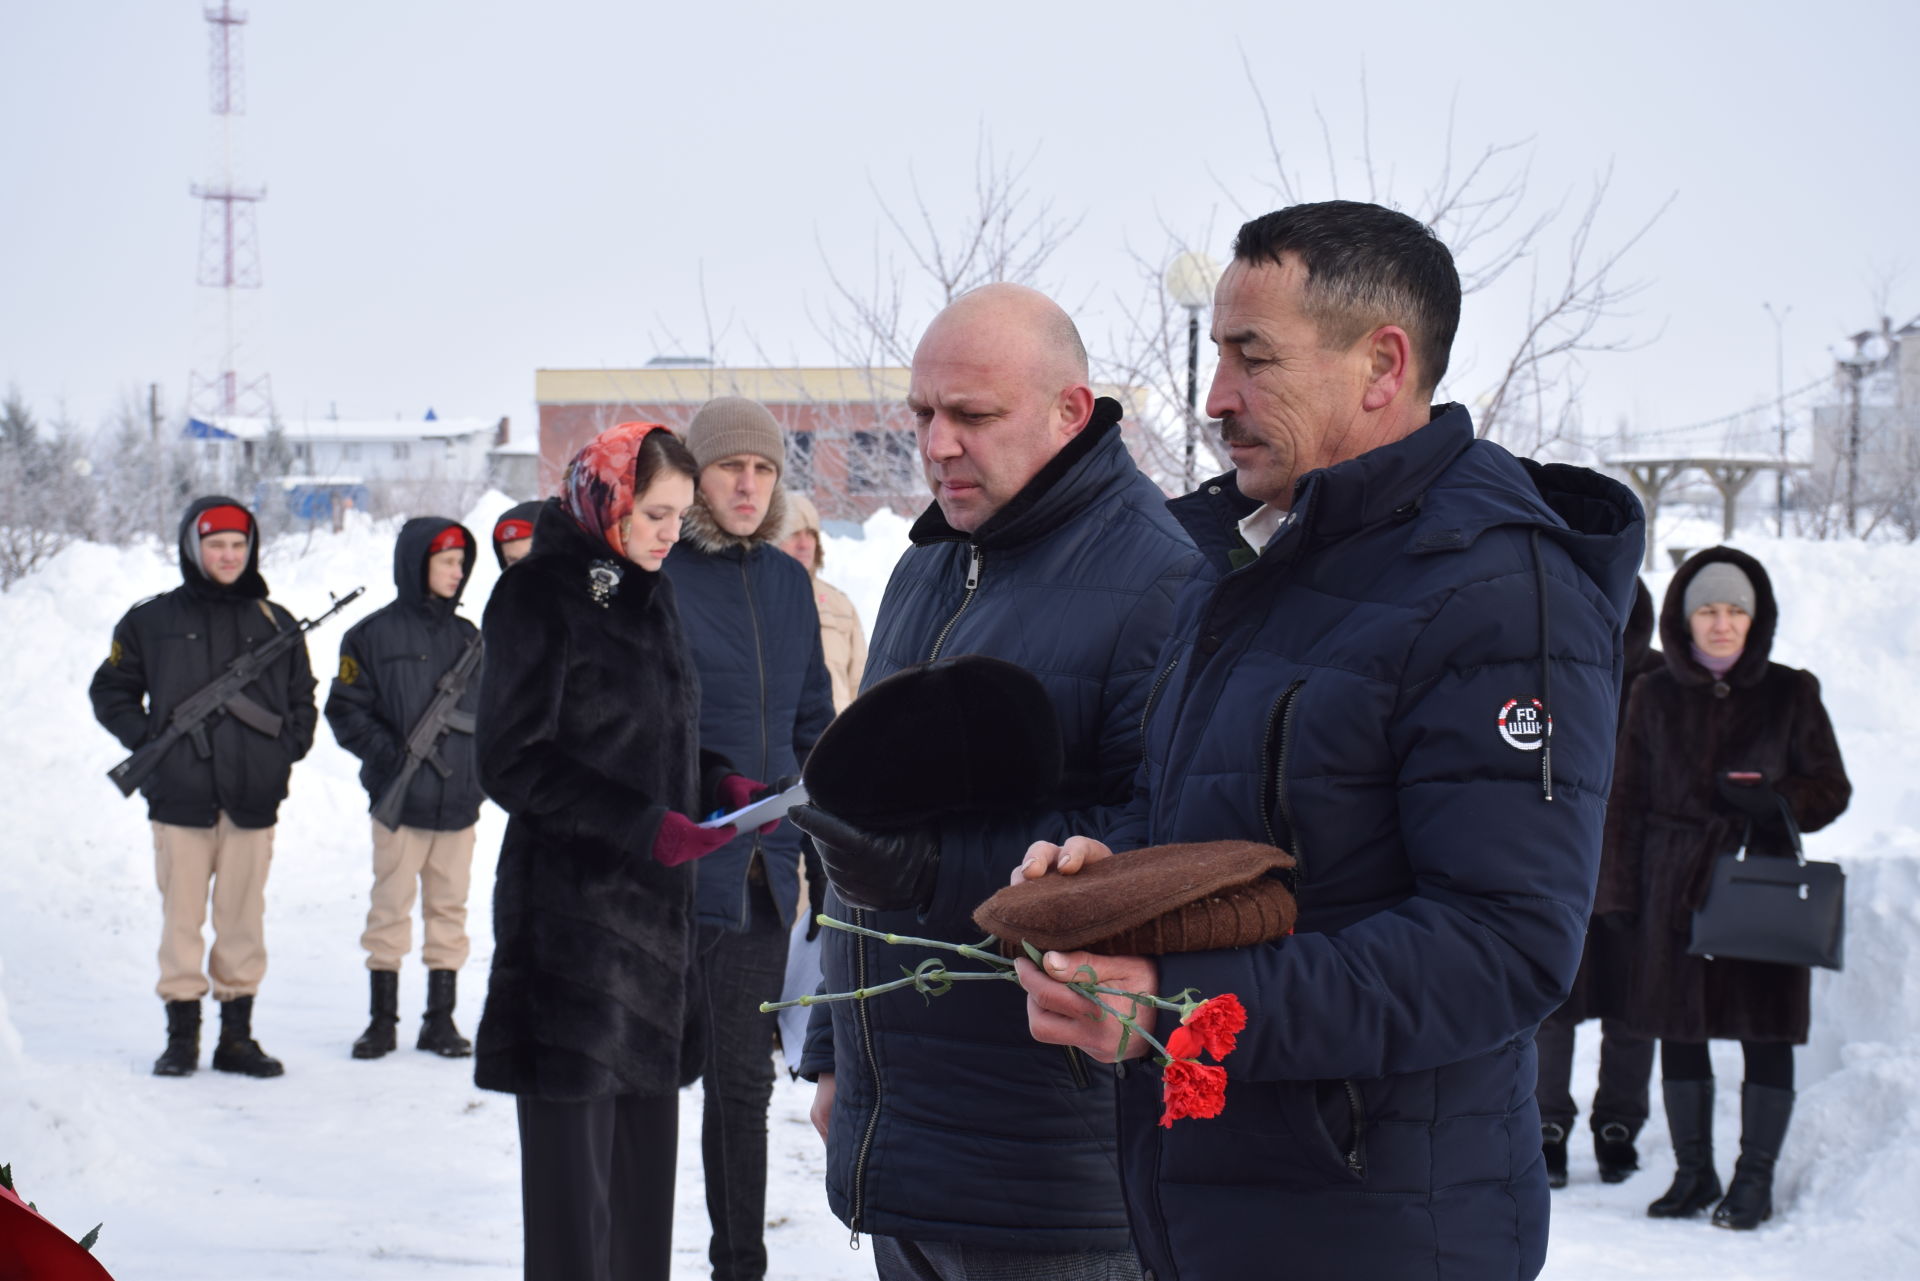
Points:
(402, 1169)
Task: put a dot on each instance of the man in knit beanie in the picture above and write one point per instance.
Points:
(749, 616)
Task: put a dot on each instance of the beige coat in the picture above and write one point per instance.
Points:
(842, 641)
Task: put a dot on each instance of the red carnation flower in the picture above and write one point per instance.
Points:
(1216, 1023)
(1192, 1089)
(1184, 1043)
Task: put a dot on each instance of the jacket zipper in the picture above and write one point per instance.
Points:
(760, 656)
(1273, 773)
(1357, 1152)
(973, 582)
(873, 1070)
(1152, 694)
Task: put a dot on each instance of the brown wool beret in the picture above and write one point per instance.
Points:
(1150, 902)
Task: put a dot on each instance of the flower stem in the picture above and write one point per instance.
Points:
(931, 978)
(970, 951)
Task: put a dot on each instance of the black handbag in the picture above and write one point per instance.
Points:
(1787, 911)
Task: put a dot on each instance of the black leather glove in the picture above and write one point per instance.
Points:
(1756, 800)
(878, 871)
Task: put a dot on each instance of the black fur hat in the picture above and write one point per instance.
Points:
(968, 734)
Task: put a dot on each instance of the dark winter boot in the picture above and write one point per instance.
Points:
(1613, 1149)
(182, 1054)
(437, 1032)
(1553, 1145)
(1764, 1113)
(1690, 1121)
(378, 1039)
(237, 1051)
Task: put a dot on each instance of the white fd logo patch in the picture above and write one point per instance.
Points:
(1524, 723)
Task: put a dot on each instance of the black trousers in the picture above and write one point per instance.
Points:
(733, 972)
(1626, 1065)
(596, 1188)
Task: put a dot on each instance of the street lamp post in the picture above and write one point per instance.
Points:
(1779, 319)
(1189, 280)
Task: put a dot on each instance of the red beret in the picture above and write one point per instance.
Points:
(508, 531)
(450, 537)
(225, 519)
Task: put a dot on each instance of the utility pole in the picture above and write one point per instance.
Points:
(1779, 319)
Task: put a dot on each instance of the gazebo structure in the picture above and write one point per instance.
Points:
(1652, 474)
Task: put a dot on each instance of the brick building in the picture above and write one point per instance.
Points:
(850, 441)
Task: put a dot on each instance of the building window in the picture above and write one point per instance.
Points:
(400, 452)
(349, 453)
(302, 454)
(799, 462)
(882, 462)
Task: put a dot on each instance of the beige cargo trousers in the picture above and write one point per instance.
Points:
(233, 862)
(435, 866)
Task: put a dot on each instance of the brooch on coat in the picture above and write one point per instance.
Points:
(603, 581)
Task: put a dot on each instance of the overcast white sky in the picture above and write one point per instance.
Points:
(462, 191)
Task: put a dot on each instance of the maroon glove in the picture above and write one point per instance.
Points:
(737, 791)
(681, 840)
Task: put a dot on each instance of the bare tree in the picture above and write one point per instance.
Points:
(1484, 209)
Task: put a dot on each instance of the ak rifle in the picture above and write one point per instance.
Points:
(442, 717)
(226, 693)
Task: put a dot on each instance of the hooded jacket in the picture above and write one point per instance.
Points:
(390, 664)
(1373, 693)
(750, 622)
(1684, 728)
(169, 647)
(950, 1123)
(527, 511)
(587, 736)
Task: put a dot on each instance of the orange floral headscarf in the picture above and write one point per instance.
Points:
(598, 489)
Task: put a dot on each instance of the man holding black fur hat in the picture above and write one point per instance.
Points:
(1404, 671)
(963, 1147)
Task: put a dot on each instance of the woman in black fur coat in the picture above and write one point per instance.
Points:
(587, 737)
(1714, 742)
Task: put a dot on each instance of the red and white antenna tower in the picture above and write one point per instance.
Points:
(229, 235)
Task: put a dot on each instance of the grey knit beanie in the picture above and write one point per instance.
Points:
(1721, 582)
(734, 425)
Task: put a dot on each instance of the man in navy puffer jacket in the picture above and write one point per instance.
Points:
(1405, 671)
(747, 608)
(963, 1147)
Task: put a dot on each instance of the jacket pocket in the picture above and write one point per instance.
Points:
(1275, 747)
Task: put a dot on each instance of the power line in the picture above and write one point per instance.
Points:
(1778, 401)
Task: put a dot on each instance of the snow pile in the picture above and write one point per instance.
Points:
(402, 1169)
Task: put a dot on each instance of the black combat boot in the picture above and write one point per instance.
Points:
(182, 1054)
(378, 1039)
(1613, 1149)
(437, 1032)
(1690, 1121)
(237, 1051)
(1553, 1145)
(1764, 1113)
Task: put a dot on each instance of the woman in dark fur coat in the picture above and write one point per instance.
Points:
(1713, 744)
(587, 737)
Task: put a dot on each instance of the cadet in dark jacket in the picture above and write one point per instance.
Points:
(1699, 730)
(588, 737)
(391, 665)
(513, 533)
(1371, 688)
(212, 815)
(1600, 992)
(764, 697)
(966, 1149)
